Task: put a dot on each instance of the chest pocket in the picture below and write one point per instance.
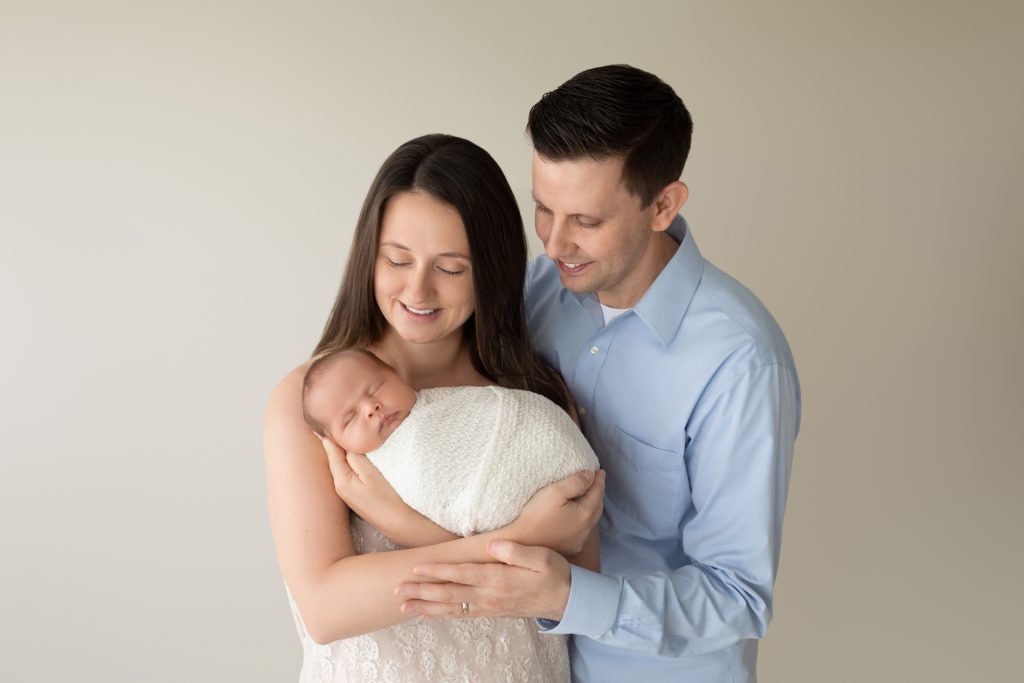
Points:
(647, 488)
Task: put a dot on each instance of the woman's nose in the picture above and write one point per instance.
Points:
(418, 287)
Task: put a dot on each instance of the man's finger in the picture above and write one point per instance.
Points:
(435, 609)
(534, 558)
(466, 574)
(436, 592)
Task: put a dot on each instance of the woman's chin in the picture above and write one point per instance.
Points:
(423, 334)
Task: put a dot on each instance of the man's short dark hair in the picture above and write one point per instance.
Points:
(616, 111)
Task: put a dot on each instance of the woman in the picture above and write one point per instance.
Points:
(434, 288)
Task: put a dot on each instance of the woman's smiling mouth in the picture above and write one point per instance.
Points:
(423, 312)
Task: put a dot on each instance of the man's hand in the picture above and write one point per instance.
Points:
(527, 581)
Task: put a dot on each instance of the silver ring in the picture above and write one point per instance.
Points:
(465, 608)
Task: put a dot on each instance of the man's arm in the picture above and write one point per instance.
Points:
(738, 461)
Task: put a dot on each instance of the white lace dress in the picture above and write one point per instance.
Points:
(436, 650)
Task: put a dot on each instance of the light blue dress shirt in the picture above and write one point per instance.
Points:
(691, 401)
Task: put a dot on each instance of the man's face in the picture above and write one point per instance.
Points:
(594, 229)
(360, 402)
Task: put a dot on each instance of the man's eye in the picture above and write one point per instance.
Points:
(583, 223)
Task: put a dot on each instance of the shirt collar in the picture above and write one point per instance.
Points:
(663, 305)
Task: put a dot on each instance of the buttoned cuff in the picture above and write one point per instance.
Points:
(593, 603)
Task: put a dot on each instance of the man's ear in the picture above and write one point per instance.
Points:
(667, 204)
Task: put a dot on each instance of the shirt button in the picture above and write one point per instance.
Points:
(594, 350)
(582, 411)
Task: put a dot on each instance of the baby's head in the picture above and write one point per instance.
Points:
(355, 398)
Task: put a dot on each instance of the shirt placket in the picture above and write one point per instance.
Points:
(589, 363)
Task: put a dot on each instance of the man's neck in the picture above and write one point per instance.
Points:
(660, 251)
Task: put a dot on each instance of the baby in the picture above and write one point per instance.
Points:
(467, 458)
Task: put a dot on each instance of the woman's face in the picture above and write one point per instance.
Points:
(423, 278)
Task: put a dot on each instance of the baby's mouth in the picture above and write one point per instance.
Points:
(386, 420)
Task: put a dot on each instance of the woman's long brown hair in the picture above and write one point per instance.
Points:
(456, 172)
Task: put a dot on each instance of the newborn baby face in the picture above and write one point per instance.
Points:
(360, 402)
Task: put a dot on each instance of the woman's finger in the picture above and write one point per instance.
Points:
(593, 499)
(574, 485)
(361, 465)
(336, 460)
(330, 446)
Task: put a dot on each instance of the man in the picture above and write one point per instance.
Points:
(685, 387)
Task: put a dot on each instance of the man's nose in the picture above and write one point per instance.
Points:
(558, 244)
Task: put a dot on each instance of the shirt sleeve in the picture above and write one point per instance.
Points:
(738, 462)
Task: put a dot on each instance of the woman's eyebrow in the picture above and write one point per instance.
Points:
(447, 254)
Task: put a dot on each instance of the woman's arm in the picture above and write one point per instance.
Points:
(339, 593)
(359, 483)
(367, 493)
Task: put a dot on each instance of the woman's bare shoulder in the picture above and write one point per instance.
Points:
(284, 421)
(289, 446)
(287, 391)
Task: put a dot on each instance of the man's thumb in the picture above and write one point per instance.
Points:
(511, 553)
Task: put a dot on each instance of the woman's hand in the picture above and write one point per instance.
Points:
(561, 515)
(365, 490)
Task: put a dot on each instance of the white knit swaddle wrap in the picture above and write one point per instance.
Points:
(469, 458)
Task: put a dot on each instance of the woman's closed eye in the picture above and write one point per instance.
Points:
(396, 264)
(453, 273)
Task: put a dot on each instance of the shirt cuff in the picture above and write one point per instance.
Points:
(593, 603)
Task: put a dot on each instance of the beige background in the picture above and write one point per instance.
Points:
(178, 183)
